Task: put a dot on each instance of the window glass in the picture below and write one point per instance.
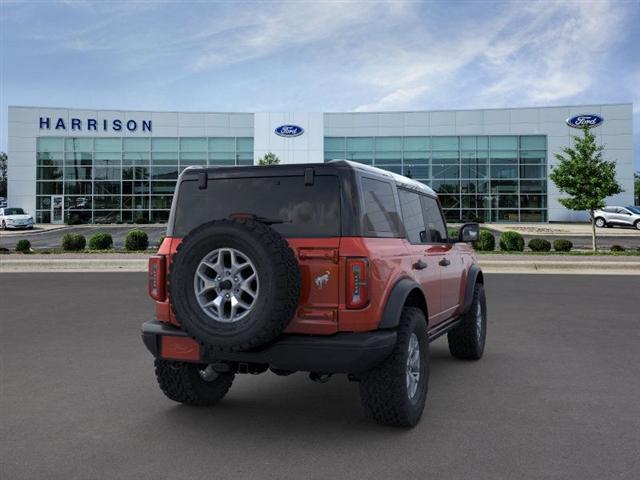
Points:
(380, 215)
(533, 142)
(412, 216)
(444, 143)
(417, 143)
(222, 145)
(503, 142)
(436, 229)
(108, 144)
(78, 144)
(139, 144)
(245, 145)
(307, 210)
(388, 143)
(164, 144)
(50, 144)
(359, 143)
(193, 145)
(334, 143)
(467, 143)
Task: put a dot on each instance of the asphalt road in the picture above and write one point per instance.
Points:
(53, 238)
(555, 397)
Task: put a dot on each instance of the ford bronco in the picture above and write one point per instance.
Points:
(323, 268)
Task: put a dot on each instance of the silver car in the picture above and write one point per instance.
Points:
(621, 216)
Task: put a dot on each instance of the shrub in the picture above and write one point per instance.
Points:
(73, 242)
(101, 241)
(511, 242)
(136, 240)
(486, 242)
(617, 248)
(562, 245)
(453, 232)
(23, 246)
(539, 245)
(141, 220)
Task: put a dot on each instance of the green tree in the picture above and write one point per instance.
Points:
(3, 174)
(636, 187)
(269, 159)
(585, 177)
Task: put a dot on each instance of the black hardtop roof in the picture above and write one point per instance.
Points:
(334, 167)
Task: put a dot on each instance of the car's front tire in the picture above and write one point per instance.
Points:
(600, 222)
(192, 384)
(394, 392)
(4, 225)
(467, 339)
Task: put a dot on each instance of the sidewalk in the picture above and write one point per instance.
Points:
(137, 262)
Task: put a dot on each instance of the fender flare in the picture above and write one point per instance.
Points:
(473, 276)
(397, 299)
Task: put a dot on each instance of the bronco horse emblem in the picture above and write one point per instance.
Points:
(322, 280)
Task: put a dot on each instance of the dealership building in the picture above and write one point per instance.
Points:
(108, 166)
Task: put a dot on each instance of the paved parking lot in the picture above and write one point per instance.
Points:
(556, 395)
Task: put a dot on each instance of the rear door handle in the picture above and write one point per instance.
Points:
(444, 262)
(419, 265)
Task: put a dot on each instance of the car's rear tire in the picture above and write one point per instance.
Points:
(234, 284)
(467, 339)
(192, 384)
(387, 394)
(600, 222)
(637, 224)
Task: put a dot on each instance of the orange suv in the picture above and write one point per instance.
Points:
(323, 268)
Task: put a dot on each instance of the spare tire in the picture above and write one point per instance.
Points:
(234, 284)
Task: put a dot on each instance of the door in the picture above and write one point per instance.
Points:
(57, 209)
(444, 253)
(424, 259)
(622, 216)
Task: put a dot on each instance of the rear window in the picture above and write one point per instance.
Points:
(305, 210)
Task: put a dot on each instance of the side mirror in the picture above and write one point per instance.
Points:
(469, 232)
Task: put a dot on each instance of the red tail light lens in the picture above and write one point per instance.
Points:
(357, 282)
(156, 277)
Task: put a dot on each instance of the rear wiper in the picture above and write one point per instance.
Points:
(251, 216)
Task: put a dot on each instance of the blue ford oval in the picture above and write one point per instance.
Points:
(587, 120)
(289, 131)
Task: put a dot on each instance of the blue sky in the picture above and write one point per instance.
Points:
(318, 56)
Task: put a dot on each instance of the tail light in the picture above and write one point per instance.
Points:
(156, 277)
(357, 282)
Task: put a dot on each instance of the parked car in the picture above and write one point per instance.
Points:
(3, 202)
(15, 218)
(620, 216)
(324, 268)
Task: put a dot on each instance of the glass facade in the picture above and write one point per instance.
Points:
(501, 178)
(109, 180)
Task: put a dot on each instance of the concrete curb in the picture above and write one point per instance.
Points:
(25, 264)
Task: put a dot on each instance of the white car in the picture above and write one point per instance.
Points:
(15, 218)
(622, 216)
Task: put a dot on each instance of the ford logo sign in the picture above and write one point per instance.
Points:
(587, 120)
(289, 131)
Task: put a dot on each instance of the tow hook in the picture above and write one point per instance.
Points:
(320, 377)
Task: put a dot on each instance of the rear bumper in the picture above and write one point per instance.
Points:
(339, 353)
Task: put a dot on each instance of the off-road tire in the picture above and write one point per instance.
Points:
(278, 272)
(465, 342)
(603, 222)
(383, 389)
(181, 382)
